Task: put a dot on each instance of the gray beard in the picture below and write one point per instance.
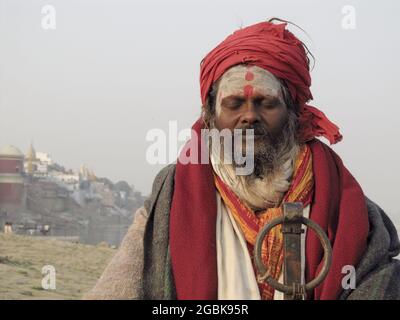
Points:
(271, 151)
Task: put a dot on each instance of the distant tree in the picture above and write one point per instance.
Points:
(123, 186)
(107, 182)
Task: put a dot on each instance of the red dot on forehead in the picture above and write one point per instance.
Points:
(249, 76)
(248, 90)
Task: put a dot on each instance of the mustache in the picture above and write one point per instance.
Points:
(260, 129)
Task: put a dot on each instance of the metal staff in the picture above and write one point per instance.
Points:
(292, 220)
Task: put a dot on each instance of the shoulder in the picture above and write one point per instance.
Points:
(381, 284)
(378, 272)
(165, 176)
(165, 173)
(383, 234)
(163, 186)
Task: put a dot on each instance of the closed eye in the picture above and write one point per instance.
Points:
(232, 103)
(270, 103)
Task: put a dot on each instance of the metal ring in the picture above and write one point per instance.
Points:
(263, 271)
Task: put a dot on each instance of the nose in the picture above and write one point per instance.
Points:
(250, 115)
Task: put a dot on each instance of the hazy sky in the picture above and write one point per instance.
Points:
(89, 91)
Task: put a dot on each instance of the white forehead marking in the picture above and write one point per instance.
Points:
(234, 81)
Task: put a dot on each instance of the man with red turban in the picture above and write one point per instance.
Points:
(194, 238)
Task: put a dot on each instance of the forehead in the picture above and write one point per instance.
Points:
(236, 79)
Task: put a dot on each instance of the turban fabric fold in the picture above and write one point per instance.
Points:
(271, 47)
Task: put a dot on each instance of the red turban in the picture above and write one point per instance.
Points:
(271, 47)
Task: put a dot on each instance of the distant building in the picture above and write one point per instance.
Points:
(11, 178)
(70, 181)
(86, 174)
(37, 163)
(44, 158)
(30, 161)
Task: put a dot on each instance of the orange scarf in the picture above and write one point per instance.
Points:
(301, 190)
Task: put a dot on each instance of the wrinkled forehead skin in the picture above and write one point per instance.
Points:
(247, 81)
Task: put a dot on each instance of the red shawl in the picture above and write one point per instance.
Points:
(338, 206)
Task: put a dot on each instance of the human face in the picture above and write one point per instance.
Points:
(250, 97)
